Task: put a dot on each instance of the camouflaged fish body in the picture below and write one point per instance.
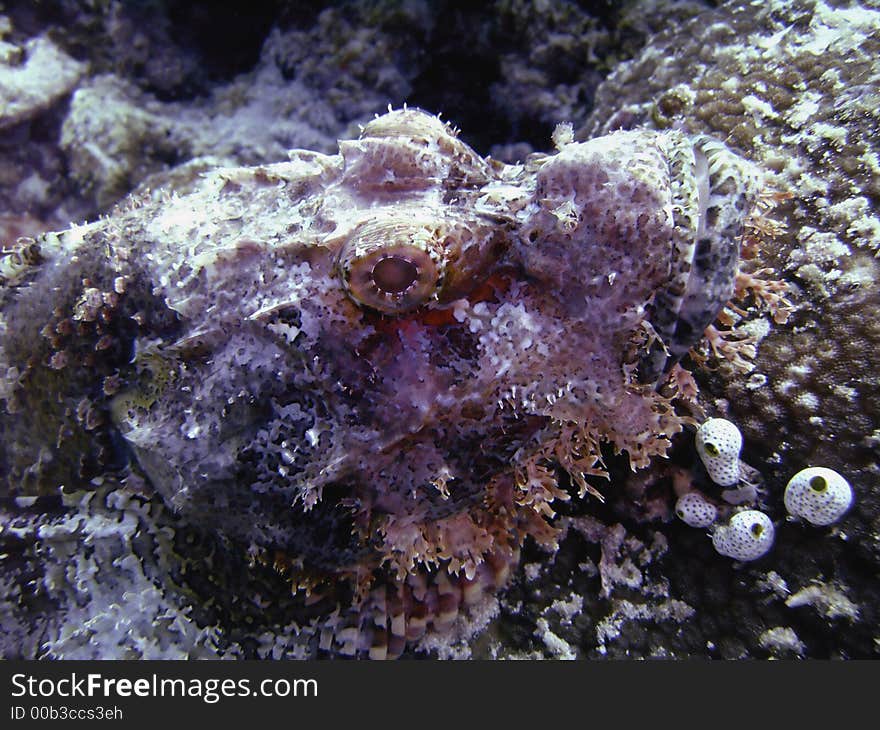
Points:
(385, 364)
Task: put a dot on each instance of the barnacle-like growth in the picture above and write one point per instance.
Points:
(719, 443)
(748, 536)
(695, 510)
(819, 495)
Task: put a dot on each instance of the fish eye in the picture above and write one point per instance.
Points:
(392, 265)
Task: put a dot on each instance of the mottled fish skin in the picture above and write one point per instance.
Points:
(712, 193)
(385, 364)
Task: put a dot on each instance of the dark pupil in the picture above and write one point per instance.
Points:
(394, 275)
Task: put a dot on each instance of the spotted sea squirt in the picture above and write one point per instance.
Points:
(376, 371)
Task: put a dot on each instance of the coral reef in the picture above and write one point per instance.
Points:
(330, 362)
(121, 95)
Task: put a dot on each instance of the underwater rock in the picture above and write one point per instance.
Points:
(113, 137)
(365, 376)
(116, 136)
(33, 76)
(147, 95)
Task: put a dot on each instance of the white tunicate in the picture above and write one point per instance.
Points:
(695, 510)
(747, 536)
(718, 444)
(818, 495)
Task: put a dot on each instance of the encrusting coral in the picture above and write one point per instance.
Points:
(372, 373)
